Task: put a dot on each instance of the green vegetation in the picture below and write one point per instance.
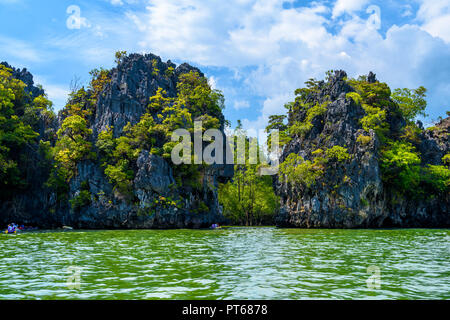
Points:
(118, 157)
(155, 71)
(296, 171)
(401, 164)
(249, 199)
(83, 198)
(100, 78)
(301, 128)
(19, 123)
(436, 180)
(303, 105)
(276, 122)
(304, 173)
(375, 99)
(170, 72)
(446, 159)
(337, 153)
(153, 132)
(412, 103)
(401, 169)
(73, 141)
(120, 55)
(363, 139)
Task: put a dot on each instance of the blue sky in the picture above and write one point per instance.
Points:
(256, 51)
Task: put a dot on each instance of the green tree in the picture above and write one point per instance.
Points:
(412, 103)
(300, 172)
(153, 132)
(249, 199)
(100, 78)
(19, 115)
(120, 55)
(72, 146)
(400, 167)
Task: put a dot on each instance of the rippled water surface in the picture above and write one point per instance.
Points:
(234, 263)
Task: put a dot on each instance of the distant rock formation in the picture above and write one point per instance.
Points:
(124, 100)
(352, 194)
(26, 77)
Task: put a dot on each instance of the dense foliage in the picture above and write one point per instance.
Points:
(401, 164)
(249, 198)
(195, 101)
(20, 115)
(304, 173)
(73, 142)
(117, 155)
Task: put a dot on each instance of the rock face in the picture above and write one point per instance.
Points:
(133, 82)
(124, 100)
(352, 194)
(26, 77)
(29, 206)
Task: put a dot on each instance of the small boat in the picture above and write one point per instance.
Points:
(12, 229)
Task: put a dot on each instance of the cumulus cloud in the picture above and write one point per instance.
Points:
(271, 49)
(435, 15)
(289, 46)
(347, 6)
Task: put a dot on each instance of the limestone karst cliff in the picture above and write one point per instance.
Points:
(76, 189)
(352, 156)
(353, 161)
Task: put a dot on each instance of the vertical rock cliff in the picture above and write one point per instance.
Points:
(343, 184)
(28, 200)
(157, 199)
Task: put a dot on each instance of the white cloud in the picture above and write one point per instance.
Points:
(407, 11)
(241, 104)
(347, 6)
(283, 47)
(212, 82)
(290, 46)
(121, 3)
(56, 93)
(435, 15)
(16, 50)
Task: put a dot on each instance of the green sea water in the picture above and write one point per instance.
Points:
(231, 263)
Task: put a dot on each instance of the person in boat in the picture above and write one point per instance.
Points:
(11, 228)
